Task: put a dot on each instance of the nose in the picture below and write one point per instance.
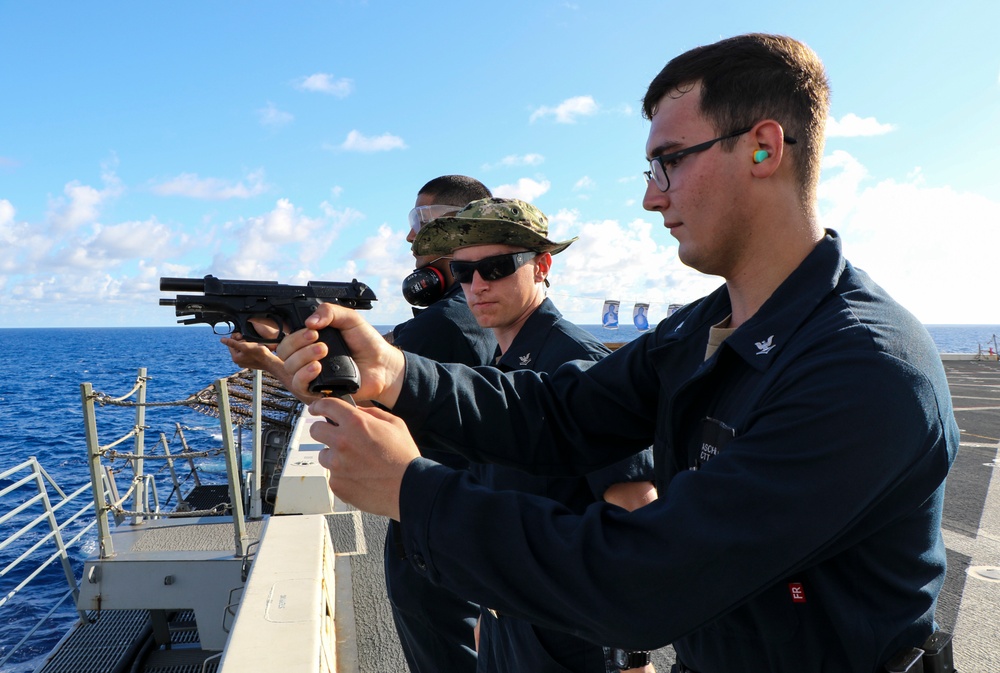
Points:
(654, 199)
(478, 284)
(410, 236)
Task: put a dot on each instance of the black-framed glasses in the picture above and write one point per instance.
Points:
(657, 172)
(491, 268)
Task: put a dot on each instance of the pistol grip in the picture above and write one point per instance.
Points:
(339, 375)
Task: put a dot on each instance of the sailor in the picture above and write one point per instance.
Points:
(502, 256)
(435, 626)
(801, 421)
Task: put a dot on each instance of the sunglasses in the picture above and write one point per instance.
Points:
(422, 215)
(491, 268)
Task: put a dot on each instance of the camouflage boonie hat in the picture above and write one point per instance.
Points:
(493, 221)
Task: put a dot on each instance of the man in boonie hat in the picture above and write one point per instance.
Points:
(501, 254)
(489, 221)
(497, 236)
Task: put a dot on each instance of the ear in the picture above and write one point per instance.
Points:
(766, 137)
(543, 262)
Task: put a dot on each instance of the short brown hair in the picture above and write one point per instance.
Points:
(747, 78)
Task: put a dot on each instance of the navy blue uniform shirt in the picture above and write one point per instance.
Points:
(807, 539)
(435, 626)
(512, 645)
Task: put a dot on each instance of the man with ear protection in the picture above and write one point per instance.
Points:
(435, 626)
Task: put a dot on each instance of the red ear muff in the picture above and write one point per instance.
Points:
(424, 286)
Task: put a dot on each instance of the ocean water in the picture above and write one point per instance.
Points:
(40, 415)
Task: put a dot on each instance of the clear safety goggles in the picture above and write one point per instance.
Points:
(422, 215)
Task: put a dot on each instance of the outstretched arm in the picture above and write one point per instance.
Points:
(250, 355)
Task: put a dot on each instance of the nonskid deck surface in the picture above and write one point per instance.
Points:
(971, 524)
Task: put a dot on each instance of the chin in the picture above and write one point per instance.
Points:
(687, 256)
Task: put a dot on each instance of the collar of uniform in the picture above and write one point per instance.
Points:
(456, 288)
(692, 319)
(761, 339)
(531, 336)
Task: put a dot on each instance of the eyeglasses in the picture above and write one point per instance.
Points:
(491, 268)
(422, 215)
(658, 165)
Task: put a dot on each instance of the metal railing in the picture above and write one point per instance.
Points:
(27, 499)
(143, 486)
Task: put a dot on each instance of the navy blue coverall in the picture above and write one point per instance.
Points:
(800, 471)
(508, 644)
(435, 626)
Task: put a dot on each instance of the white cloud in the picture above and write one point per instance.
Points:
(6, 214)
(270, 115)
(569, 110)
(526, 189)
(584, 184)
(851, 125)
(515, 160)
(81, 204)
(130, 240)
(212, 189)
(79, 207)
(385, 259)
(356, 142)
(385, 254)
(929, 247)
(631, 262)
(74, 260)
(322, 82)
(111, 245)
(21, 244)
(269, 246)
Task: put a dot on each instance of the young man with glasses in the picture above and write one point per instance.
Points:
(501, 255)
(801, 420)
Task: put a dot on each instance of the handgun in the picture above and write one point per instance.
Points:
(236, 304)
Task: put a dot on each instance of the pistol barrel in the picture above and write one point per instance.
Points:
(182, 285)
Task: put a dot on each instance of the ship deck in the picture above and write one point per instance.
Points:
(971, 529)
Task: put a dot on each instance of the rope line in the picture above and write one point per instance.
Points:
(221, 508)
(104, 399)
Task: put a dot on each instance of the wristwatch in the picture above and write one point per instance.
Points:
(625, 659)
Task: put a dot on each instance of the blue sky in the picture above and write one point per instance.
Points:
(286, 141)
